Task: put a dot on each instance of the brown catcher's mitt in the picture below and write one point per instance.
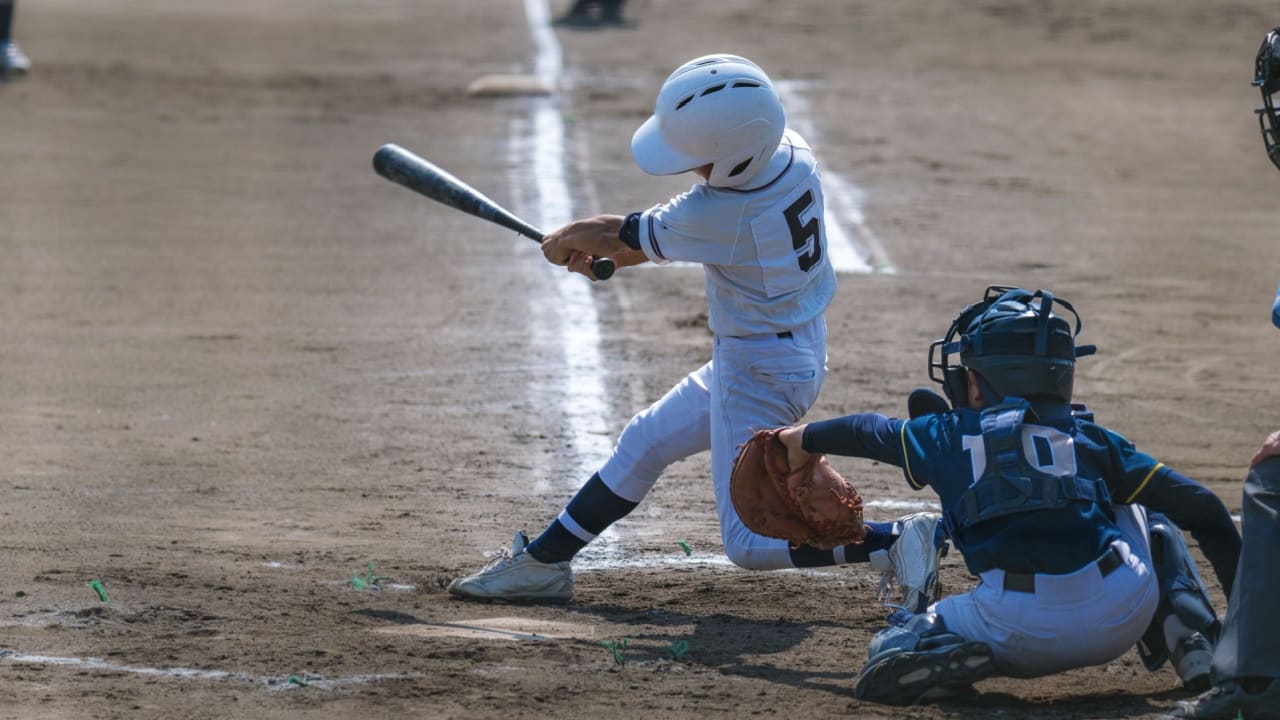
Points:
(809, 505)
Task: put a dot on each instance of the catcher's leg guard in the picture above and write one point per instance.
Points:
(921, 661)
(1185, 627)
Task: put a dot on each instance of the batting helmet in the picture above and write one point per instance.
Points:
(1015, 342)
(717, 109)
(1266, 76)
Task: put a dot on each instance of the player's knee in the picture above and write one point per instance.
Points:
(743, 556)
(749, 555)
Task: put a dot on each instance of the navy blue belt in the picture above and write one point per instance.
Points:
(1026, 582)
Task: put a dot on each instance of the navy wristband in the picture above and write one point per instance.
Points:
(629, 233)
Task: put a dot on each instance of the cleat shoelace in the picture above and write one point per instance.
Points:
(497, 558)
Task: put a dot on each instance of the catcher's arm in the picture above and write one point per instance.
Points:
(793, 439)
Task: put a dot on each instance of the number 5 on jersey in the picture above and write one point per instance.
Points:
(806, 236)
(789, 239)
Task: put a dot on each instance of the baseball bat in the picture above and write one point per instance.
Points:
(420, 175)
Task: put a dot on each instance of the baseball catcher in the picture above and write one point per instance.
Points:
(1048, 508)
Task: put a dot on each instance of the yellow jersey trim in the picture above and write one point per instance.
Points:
(906, 459)
(1144, 482)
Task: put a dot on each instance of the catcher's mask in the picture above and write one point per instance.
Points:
(1266, 77)
(1015, 342)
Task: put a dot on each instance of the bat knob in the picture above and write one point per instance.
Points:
(603, 268)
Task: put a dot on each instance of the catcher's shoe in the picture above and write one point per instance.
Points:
(910, 677)
(13, 63)
(913, 561)
(1230, 701)
(514, 574)
(1191, 658)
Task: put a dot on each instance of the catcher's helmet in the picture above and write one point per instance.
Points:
(1015, 342)
(1266, 76)
(717, 109)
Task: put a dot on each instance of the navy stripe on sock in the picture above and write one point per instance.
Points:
(806, 556)
(594, 508)
(555, 544)
(879, 537)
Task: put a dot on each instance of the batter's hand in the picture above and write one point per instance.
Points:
(1270, 448)
(597, 237)
(581, 262)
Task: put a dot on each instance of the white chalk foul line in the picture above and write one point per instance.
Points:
(845, 200)
(570, 321)
(181, 673)
(917, 505)
(575, 324)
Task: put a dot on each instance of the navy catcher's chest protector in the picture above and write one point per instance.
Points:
(1010, 483)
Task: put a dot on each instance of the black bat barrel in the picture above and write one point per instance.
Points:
(403, 167)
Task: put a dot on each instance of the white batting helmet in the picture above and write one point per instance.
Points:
(717, 109)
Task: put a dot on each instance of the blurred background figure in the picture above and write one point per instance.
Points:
(589, 12)
(12, 62)
(1246, 664)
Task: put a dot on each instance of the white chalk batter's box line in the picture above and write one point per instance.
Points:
(181, 673)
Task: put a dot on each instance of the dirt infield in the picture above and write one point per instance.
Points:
(237, 368)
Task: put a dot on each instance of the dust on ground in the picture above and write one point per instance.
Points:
(238, 368)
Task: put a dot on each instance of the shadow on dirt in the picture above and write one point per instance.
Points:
(737, 646)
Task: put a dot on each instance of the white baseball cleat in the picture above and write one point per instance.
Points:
(13, 63)
(514, 574)
(913, 561)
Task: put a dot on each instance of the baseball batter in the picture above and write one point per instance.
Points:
(1246, 664)
(755, 224)
(1046, 507)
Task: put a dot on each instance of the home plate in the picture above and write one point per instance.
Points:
(501, 628)
(508, 86)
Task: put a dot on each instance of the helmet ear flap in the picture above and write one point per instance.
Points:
(955, 383)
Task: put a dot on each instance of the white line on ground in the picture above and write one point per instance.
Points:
(845, 200)
(570, 321)
(581, 394)
(894, 504)
(181, 673)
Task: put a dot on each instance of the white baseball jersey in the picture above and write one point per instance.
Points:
(763, 247)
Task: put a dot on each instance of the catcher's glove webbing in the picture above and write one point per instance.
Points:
(808, 505)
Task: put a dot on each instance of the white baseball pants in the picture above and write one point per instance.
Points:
(752, 383)
(1070, 621)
